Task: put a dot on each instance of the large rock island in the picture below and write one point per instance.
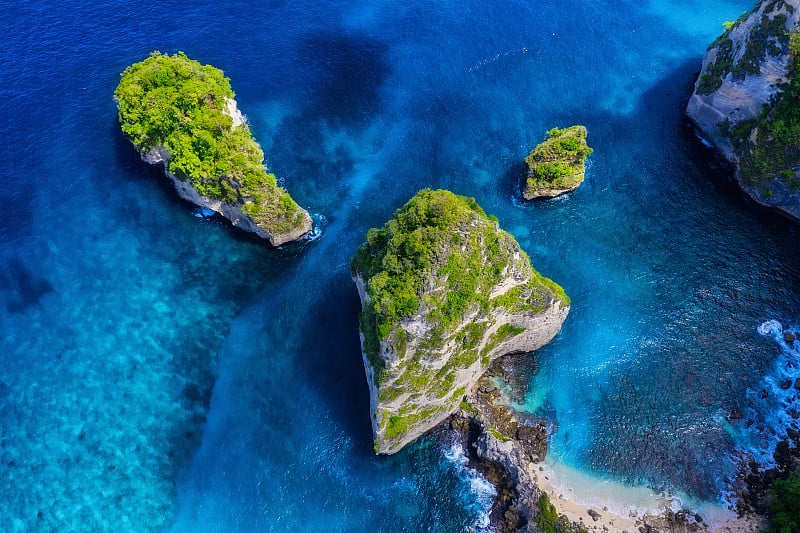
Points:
(557, 165)
(444, 292)
(182, 115)
(746, 102)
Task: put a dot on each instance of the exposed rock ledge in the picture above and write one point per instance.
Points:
(160, 156)
(744, 74)
(505, 446)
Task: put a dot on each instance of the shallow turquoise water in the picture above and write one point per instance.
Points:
(165, 372)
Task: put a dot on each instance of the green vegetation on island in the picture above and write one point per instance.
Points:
(558, 164)
(446, 266)
(548, 520)
(176, 103)
(769, 146)
(438, 233)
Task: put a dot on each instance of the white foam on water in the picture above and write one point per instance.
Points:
(771, 412)
(770, 328)
(481, 492)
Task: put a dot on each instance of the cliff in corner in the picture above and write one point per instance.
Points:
(746, 102)
(182, 115)
(444, 292)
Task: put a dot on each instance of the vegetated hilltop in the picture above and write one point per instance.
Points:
(557, 165)
(182, 114)
(444, 291)
(746, 102)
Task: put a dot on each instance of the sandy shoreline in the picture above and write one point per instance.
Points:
(609, 521)
(579, 513)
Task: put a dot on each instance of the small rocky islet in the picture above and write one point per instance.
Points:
(182, 115)
(557, 165)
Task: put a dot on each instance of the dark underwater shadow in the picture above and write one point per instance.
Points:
(340, 80)
(345, 74)
(511, 182)
(332, 362)
(28, 287)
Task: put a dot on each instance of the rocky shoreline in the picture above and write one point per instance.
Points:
(507, 447)
(502, 447)
(726, 171)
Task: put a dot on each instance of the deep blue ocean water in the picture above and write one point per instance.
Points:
(163, 372)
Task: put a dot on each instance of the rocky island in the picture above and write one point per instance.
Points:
(444, 292)
(182, 115)
(746, 103)
(557, 165)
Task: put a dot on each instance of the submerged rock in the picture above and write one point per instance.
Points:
(744, 101)
(557, 165)
(182, 115)
(444, 292)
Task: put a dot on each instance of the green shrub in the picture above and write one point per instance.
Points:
(548, 520)
(711, 80)
(768, 37)
(785, 506)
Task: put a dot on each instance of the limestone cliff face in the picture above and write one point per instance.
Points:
(473, 297)
(234, 213)
(745, 73)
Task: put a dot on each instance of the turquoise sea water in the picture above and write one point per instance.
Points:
(163, 372)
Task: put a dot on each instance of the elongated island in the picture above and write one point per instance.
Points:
(182, 115)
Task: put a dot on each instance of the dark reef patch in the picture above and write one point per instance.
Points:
(28, 287)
